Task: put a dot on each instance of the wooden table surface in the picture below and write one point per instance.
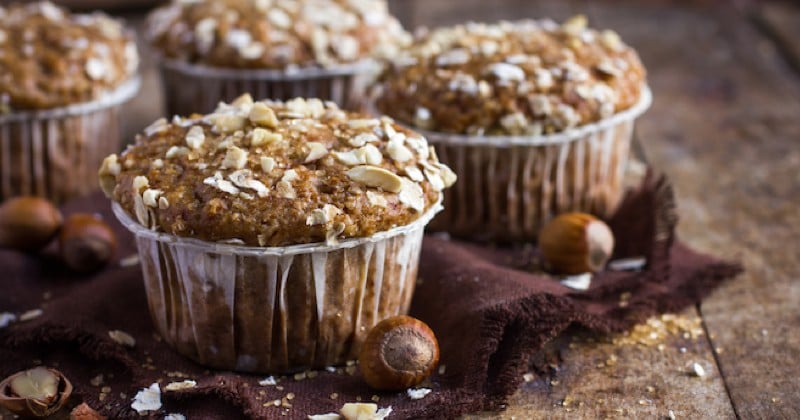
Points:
(725, 127)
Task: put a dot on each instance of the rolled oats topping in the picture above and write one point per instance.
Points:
(52, 58)
(511, 78)
(275, 34)
(272, 173)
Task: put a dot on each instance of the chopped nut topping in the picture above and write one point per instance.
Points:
(493, 69)
(267, 164)
(195, 137)
(262, 137)
(285, 190)
(263, 115)
(217, 180)
(235, 158)
(176, 151)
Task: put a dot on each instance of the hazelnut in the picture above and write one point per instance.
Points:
(86, 242)
(575, 243)
(38, 392)
(28, 223)
(398, 353)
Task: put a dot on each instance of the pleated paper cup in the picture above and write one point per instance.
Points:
(193, 88)
(509, 186)
(55, 153)
(276, 309)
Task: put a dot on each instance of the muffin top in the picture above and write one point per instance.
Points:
(52, 58)
(275, 34)
(511, 78)
(274, 174)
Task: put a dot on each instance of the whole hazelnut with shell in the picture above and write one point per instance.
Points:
(28, 223)
(86, 242)
(399, 352)
(575, 243)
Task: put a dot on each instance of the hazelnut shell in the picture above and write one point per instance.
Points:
(28, 223)
(575, 243)
(399, 352)
(29, 407)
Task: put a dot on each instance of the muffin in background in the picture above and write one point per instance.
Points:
(212, 51)
(274, 235)
(64, 77)
(535, 117)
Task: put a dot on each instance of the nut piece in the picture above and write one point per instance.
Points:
(574, 243)
(84, 412)
(398, 353)
(38, 392)
(364, 411)
(374, 176)
(28, 223)
(86, 243)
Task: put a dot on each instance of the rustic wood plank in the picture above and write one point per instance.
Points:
(724, 126)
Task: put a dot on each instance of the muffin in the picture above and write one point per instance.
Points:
(536, 118)
(213, 51)
(64, 77)
(274, 235)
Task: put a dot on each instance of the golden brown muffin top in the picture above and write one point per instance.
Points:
(51, 58)
(275, 34)
(511, 78)
(274, 174)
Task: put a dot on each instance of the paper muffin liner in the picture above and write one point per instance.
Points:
(191, 88)
(275, 309)
(55, 153)
(509, 186)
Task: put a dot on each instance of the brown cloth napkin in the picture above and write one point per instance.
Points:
(487, 305)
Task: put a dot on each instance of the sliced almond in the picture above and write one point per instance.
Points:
(373, 176)
(412, 195)
(398, 151)
(348, 158)
(434, 179)
(414, 173)
(140, 182)
(370, 155)
(448, 176)
(316, 151)
(150, 197)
